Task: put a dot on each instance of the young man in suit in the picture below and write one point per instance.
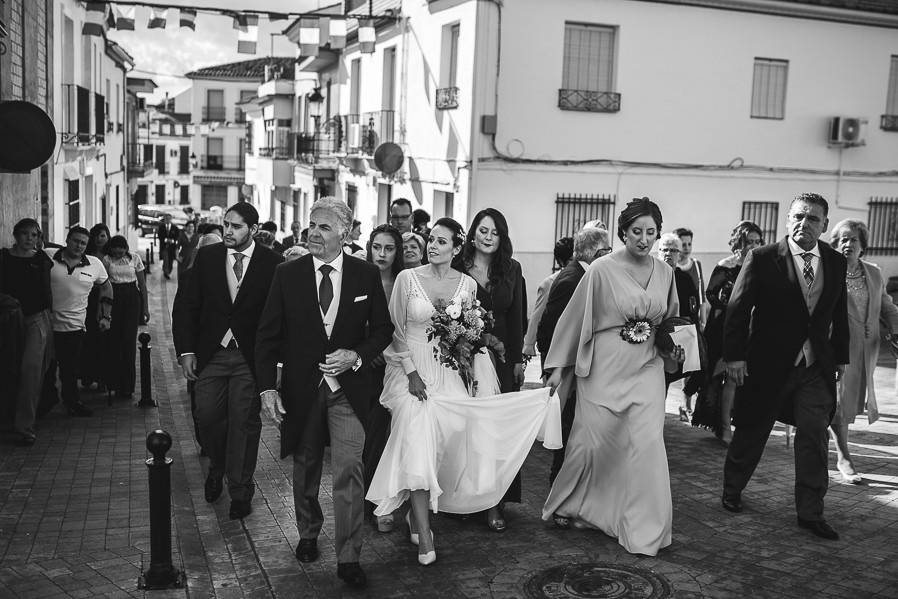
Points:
(785, 346)
(326, 318)
(214, 325)
(589, 243)
(167, 236)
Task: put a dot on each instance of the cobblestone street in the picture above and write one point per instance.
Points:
(74, 517)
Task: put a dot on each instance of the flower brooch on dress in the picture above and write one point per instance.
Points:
(636, 331)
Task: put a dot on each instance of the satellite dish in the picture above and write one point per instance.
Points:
(28, 135)
(388, 158)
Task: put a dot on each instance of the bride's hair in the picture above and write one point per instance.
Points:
(458, 232)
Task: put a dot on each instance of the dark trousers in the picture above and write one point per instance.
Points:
(228, 408)
(67, 345)
(121, 371)
(567, 421)
(167, 254)
(813, 402)
(331, 413)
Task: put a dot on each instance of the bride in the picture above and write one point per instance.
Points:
(448, 451)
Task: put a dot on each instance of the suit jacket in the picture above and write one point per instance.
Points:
(203, 310)
(767, 322)
(559, 295)
(167, 240)
(291, 331)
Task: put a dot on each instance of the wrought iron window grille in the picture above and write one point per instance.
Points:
(588, 101)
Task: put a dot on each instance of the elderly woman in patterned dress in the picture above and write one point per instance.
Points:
(868, 302)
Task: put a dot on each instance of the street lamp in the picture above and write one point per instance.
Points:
(315, 98)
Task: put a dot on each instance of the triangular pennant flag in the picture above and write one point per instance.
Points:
(309, 36)
(247, 39)
(337, 34)
(95, 19)
(124, 17)
(158, 18)
(187, 18)
(367, 36)
(110, 18)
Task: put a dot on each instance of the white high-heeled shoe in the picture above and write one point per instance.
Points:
(427, 558)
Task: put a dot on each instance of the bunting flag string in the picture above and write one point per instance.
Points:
(310, 31)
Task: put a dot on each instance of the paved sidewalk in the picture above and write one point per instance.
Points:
(74, 519)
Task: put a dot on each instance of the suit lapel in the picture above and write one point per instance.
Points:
(222, 274)
(347, 295)
(786, 264)
(249, 275)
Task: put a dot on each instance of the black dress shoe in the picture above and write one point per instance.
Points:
(213, 488)
(352, 574)
(819, 528)
(307, 550)
(79, 409)
(240, 509)
(731, 504)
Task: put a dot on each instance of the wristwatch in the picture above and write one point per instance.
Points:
(358, 362)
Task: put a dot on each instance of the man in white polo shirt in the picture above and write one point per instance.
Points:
(72, 277)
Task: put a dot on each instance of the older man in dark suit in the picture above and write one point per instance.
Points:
(326, 319)
(785, 346)
(167, 236)
(214, 324)
(589, 243)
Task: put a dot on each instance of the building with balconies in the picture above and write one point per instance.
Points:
(558, 113)
(217, 133)
(89, 179)
(164, 157)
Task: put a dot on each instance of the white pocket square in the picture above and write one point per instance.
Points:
(360, 298)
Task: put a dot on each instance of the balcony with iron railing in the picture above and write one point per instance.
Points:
(889, 122)
(83, 115)
(588, 101)
(216, 162)
(138, 166)
(447, 98)
(214, 113)
(365, 132)
(276, 152)
(325, 139)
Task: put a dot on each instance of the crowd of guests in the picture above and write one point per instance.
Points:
(334, 347)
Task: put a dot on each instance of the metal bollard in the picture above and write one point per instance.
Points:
(152, 252)
(161, 574)
(146, 379)
(148, 261)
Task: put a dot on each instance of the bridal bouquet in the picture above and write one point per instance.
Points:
(462, 329)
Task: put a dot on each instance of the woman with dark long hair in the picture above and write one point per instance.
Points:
(91, 371)
(715, 399)
(130, 307)
(487, 257)
(384, 251)
(615, 476)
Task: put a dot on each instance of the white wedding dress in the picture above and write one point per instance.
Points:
(465, 450)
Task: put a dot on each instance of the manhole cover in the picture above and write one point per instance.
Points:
(597, 580)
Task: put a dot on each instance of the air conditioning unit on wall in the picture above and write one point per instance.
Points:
(846, 131)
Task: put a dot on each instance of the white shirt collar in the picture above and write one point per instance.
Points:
(336, 263)
(798, 251)
(248, 252)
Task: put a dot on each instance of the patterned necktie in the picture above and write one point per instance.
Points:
(808, 268)
(325, 288)
(238, 265)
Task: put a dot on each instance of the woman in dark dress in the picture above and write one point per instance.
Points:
(92, 369)
(385, 252)
(486, 257)
(715, 399)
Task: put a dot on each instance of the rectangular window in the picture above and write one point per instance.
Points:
(160, 193)
(73, 199)
(213, 195)
(355, 86)
(892, 97)
(183, 160)
(768, 90)
(185, 194)
(588, 57)
(882, 219)
(215, 107)
(388, 95)
(454, 33)
(160, 159)
(572, 211)
(763, 214)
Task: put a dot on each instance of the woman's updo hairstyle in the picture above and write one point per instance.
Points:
(458, 232)
(636, 208)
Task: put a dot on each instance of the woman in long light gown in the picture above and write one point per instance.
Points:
(448, 451)
(615, 475)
